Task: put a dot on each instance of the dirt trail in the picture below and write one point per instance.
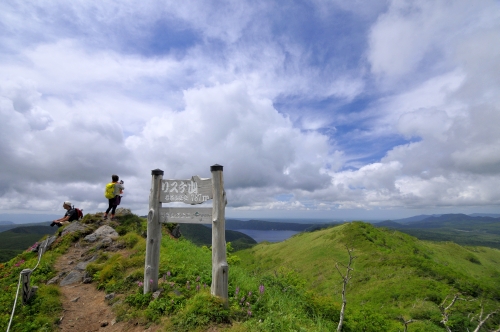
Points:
(84, 307)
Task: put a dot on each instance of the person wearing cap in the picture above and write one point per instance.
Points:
(68, 217)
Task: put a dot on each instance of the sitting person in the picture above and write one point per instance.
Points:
(70, 215)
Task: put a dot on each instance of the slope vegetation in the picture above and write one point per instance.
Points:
(459, 228)
(287, 286)
(395, 276)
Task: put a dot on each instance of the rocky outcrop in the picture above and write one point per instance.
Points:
(74, 269)
(104, 233)
(75, 226)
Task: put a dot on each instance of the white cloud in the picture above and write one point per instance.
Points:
(85, 92)
(225, 125)
(413, 35)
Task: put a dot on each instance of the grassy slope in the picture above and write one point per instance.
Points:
(394, 275)
(14, 241)
(202, 235)
(392, 271)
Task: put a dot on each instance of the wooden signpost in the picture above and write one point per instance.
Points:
(193, 191)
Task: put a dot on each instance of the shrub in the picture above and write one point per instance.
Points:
(201, 310)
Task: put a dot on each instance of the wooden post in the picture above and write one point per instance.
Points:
(153, 241)
(25, 278)
(220, 268)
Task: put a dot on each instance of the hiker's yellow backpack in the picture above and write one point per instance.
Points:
(109, 191)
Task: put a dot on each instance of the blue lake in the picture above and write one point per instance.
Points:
(271, 236)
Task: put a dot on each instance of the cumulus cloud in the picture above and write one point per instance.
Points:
(88, 89)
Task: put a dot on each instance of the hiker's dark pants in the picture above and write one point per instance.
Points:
(112, 205)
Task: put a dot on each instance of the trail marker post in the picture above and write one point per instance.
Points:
(193, 191)
(28, 290)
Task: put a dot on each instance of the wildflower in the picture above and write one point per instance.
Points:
(188, 286)
(19, 263)
(248, 304)
(198, 287)
(140, 283)
(249, 294)
(249, 312)
(151, 281)
(197, 278)
(168, 274)
(261, 289)
(242, 300)
(236, 291)
(204, 286)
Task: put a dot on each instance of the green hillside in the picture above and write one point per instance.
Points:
(202, 235)
(459, 228)
(287, 286)
(14, 241)
(394, 274)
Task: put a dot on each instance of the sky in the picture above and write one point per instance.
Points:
(315, 109)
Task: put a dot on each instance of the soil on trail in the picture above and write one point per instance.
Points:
(85, 308)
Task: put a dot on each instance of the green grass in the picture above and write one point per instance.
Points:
(42, 311)
(394, 274)
(17, 241)
(287, 286)
(475, 237)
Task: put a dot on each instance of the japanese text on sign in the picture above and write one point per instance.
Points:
(194, 191)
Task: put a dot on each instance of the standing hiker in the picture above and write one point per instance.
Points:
(70, 215)
(112, 193)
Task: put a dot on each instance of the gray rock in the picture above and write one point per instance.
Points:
(176, 232)
(56, 278)
(157, 294)
(83, 265)
(122, 212)
(110, 296)
(107, 240)
(73, 277)
(53, 280)
(74, 226)
(45, 244)
(106, 233)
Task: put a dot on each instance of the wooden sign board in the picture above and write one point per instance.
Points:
(186, 215)
(193, 191)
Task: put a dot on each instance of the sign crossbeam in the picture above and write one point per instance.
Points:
(186, 215)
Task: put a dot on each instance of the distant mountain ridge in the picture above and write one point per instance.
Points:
(18, 238)
(459, 228)
(416, 218)
(6, 223)
(271, 225)
(444, 220)
(6, 227)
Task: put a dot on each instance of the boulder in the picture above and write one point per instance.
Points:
(83, 265)
(73, 277)
(74, 226)
(105, 233)
(122, 212)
